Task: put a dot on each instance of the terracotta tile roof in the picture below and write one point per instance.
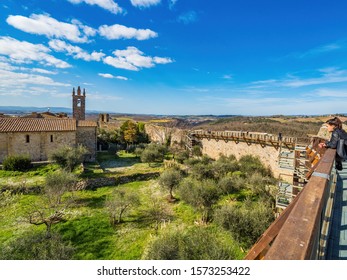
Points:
(86, 123)
(44, 115)
(31, 125)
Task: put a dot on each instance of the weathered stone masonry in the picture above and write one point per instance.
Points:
(268, 154)
(38, 137)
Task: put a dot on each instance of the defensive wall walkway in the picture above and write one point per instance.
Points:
(313, 223)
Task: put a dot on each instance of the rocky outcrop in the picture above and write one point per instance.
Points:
(161, 134)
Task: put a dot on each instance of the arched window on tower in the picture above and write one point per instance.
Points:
(79, 102)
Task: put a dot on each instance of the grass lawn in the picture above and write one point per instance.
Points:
(33, 177)
(122, 164)
(87, 226)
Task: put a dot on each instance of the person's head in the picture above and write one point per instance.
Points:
(333, 124)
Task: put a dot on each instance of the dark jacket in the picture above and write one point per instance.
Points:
(336, 135)
(335, 142)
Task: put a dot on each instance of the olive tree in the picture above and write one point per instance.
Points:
(200, 194)
(246, 222)
(120, 203)
(170, 180)
(156, 212)
(56, 199)
(35, 246)
(196, 243)
(153, 153)
(69, 157)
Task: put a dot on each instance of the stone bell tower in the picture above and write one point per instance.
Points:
(79, 104)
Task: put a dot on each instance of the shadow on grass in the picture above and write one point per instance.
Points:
(38, 169)
(119, 162)
(93, 202)
(92, 237)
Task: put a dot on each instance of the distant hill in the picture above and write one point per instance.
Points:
(17, 110)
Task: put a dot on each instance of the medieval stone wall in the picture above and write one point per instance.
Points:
(37, 145)
(161, 134)
(268, 155)
(3, 146)
(87, 137)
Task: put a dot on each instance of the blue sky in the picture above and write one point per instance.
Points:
(245, 57)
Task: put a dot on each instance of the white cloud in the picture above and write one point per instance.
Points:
(118, 31)
(102, 97)
(4, 65)
(10, 79)
(144, 3)
(196, 89)
(108, 5)
(227, 77)
(110, 76)
(330, 75)
(188, 17)
(7, 66)
(133, 59)
(50, 27)
(76, 52)
(121, 78)
(43, 71)
(327, 92)
(25, 52)
(120, 63)
(327, 75)
(287, 106)
(87, 30)
(60, 95)
(321, 50)
(162, 60)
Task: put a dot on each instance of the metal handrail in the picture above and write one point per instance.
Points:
(297, 233)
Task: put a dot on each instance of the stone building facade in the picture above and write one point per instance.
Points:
(38, 137)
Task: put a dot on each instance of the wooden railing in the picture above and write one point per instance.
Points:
(242, 135)
(248, 137)
(301, 231)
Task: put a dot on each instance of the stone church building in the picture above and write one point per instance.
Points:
(38, 135)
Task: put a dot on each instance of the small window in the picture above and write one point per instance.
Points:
(79, 102)
(51, 138)
(27, 138)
